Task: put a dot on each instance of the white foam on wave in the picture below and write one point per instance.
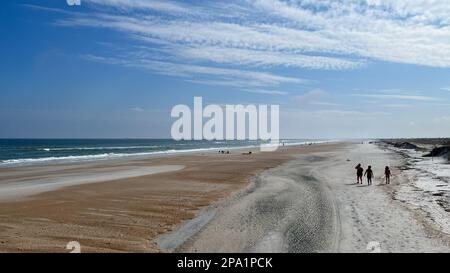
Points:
(98, 148)
(105, 156)
(47, 159)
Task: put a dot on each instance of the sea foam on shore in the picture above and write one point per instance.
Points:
(429, 185)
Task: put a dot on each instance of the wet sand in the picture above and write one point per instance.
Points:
(312, 204)
(297, 199)
(127, 213)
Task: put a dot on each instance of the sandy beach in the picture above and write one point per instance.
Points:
(313, 204)
(297, 199)
(119, 205)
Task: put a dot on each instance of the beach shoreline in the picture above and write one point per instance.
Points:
(122, 214)
(428, 189)
(212, 202)
(312, 204)
(60, 152)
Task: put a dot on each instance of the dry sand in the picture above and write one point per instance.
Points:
(312, 204)
(124, 214)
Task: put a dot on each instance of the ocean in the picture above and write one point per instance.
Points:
(14, 152)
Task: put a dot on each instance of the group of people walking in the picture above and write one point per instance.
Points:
(369, 174)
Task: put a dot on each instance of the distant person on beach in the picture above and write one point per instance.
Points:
(369, 174)
(387, 174)
(359, 174)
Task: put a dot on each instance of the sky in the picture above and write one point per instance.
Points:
(115, 68)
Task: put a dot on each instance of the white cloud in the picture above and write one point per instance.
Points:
(162, 6)
(266, 92)
(397, 105)
(137, 109)
(393, 91)
(324, 103)
(396, 31)
(342, 123)
(442, 120)
(398, 97)
(261, 34)
(249, 57)
(309, 97)
(222, 76)
(233, 43)
(221, 42)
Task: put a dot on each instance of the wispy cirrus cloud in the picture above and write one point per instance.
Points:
(370, 29)
(397, 105)
(399, 97)
(266, 92)
(262, 34)
(412, 32)
(220, 76)
(127, 5)
(312, 96)
(137, 109)
(221, 42)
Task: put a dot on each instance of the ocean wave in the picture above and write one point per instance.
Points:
(78, 158)
(55, 158)
(105, 156)
(97, 148)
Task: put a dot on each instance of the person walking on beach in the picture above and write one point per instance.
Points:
(369, 174)
(387, 174)
(359, 173)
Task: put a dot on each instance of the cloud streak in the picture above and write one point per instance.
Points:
(218, 76)
(263, 34)
(399, 97)
(414, 32)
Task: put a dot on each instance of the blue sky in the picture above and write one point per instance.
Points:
(115, 68)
